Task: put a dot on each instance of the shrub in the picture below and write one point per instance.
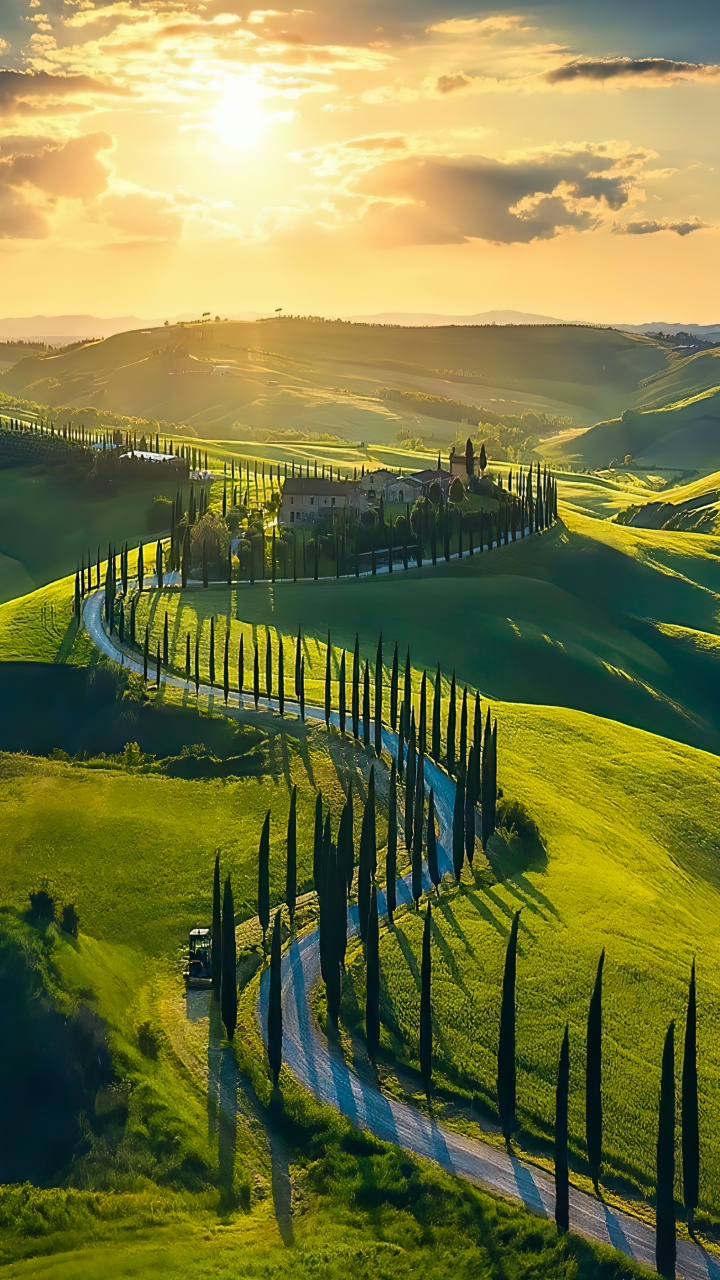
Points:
(42, 909)
(159, 514)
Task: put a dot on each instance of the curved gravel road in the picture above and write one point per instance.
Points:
(316, 1063)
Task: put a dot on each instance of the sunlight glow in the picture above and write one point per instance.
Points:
(238, 118)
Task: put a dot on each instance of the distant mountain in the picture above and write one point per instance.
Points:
(72, 328)
(709, 331)
(413, 319)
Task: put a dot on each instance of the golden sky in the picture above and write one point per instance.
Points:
(415, 155)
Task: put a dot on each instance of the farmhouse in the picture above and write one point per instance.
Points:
(405, 489)
(374, 484)
(306, 499)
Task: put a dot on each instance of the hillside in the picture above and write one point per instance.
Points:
(685, 433)
(324, 376)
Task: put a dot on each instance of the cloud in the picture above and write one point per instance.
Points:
(648, 226)
(441, 200)
(451, 83)
(495, 24)
(652, 71)
(26, 92)
(20, 219)
(143, 215)
(72, 169)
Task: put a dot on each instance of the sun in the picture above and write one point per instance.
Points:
(238, 118)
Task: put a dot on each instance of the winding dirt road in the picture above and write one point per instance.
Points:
(314, 1061)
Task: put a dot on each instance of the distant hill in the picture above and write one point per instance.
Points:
(685, 433)
(709, 331)
(333, 376)
(411, 319)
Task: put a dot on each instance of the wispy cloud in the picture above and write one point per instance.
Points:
(651, 71)
(649, 226)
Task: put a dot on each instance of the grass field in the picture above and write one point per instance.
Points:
(585, 616)
(631, 830)
(46, 526)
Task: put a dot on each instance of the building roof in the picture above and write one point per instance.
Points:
(146, 455)
(315, 485)
(429, 476)
(406, 480)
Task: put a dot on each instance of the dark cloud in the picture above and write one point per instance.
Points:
(451, 83)
(433, 199)
(33, 169)
(27, 91)
(640, 70)
(648, 226)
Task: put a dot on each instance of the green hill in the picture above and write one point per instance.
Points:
(324, 376)
(683, 434)
(683, 377)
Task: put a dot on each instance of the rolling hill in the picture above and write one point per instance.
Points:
(324, 376)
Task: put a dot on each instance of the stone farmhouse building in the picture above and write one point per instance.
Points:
(306, 499)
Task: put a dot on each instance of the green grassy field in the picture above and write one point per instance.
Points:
(584, 616)
(631, 830)
(46, 526)
(324, 376)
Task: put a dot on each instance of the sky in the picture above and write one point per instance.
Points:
(169, 156)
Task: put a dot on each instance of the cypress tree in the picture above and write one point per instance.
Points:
(228, 972)
(318, 843)
(366, 706)
(435, 748)
(470, 802)
(432, 854)
(665, 1227)
(226, 668)
(407, 694)
(506, 1065)
(166, 641)
(298, 661)
(188, 657)
(367, 861)
(216, 940)
(197, 664)
(593, 1079)
(690, 1119)
(212, 652)
(158, 657)
(401, 742)
(346, 846)
(417, 837)
(487, 784)
(477, 746)
(159, 564)
(281, 676)
(356, 689)
(256, 676)
(291, 861)
(268, 663)
(451, 727)
(341, 692)
(328, 680)
(264, 877)
(462, 753)
(302, 689)
(458, 827)
(426, 1005)
(410, 779)
(140, 567)
(241, 664)
(394, 690)
(391, 854)
(372, 979)
(378, 696)
(562, 1186)
(274, 1017)
(422, 722)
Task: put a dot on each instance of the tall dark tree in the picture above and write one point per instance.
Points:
(166, 641)
(318, 843)
(562, 1184)
(228, 973)
(367, 861)
(690, 1117)
(298, 661)
(432, 853)
(342, 692)
(451, 727)
(264, 877)
(197, 664)
(328, 680)
(241, 664)
(356, 690)
(391, 854)
(159, 564)
(366, 706)
(470, 803)
(593, 1079)
(301, 697)
(372, 979)
(281, 676)
(141, 567)
(462, 750)
(268, 663)
(291, 861)
(506, 1065)
(417, 846)
(394, 690)
(274, 1016)
(407, 694)
(256, 676)
(410, 780)
(422, 722)
(458, 827)
(426, 1005)
(665, 1225)
(216, 938)
(488, 783)
(436, 747)
(346, 840)
(226, 668)
(378, 696)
